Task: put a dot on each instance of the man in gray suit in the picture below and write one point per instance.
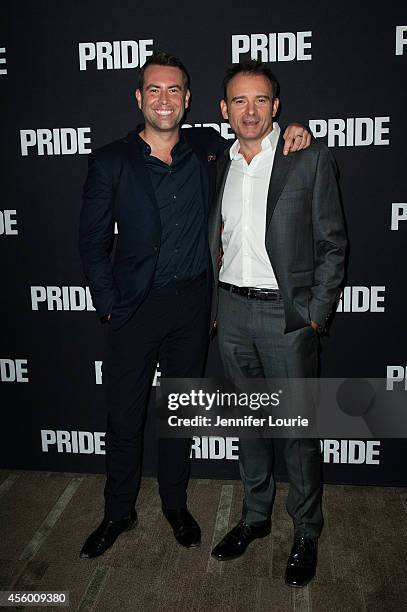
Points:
(278, 228)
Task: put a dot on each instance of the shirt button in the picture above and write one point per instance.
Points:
(176, 250)
(174, 197)
(176, 225)
(175, 276)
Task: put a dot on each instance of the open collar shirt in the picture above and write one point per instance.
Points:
(245, 260)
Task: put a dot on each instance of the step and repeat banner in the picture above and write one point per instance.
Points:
(68, 71)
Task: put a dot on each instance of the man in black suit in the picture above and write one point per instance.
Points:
(157, 185)
(279, 224)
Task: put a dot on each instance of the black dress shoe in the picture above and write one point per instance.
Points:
(302, 562)
(105, 535)
(186, 530)
(238, 539)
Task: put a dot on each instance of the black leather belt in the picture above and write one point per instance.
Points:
(252, 292)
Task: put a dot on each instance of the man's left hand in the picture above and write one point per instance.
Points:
(314, 325)
(296, 137)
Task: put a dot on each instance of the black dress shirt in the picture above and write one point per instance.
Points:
(177, 188)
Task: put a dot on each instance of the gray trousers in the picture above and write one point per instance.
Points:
(253, 344)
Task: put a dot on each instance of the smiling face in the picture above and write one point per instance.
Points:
(250, 107)
(164, 98)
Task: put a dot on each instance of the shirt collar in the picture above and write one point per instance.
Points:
(177, 149)
(268, 142)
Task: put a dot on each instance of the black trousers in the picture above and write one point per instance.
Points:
(171, 327)
(253, 344)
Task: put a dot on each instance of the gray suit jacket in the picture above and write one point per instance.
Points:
(304, 234)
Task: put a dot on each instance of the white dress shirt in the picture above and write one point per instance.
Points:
(244, 204)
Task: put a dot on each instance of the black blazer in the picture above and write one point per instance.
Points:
(304, 235)
(118, 189)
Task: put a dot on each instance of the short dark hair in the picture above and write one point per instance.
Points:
(160, 58)
(252, 67)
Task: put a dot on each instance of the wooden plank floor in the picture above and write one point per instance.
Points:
(45, 518)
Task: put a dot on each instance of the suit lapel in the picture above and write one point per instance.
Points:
(203, 163)
(135, 158)
(281, 166)
(222, 173)
(216, 210)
